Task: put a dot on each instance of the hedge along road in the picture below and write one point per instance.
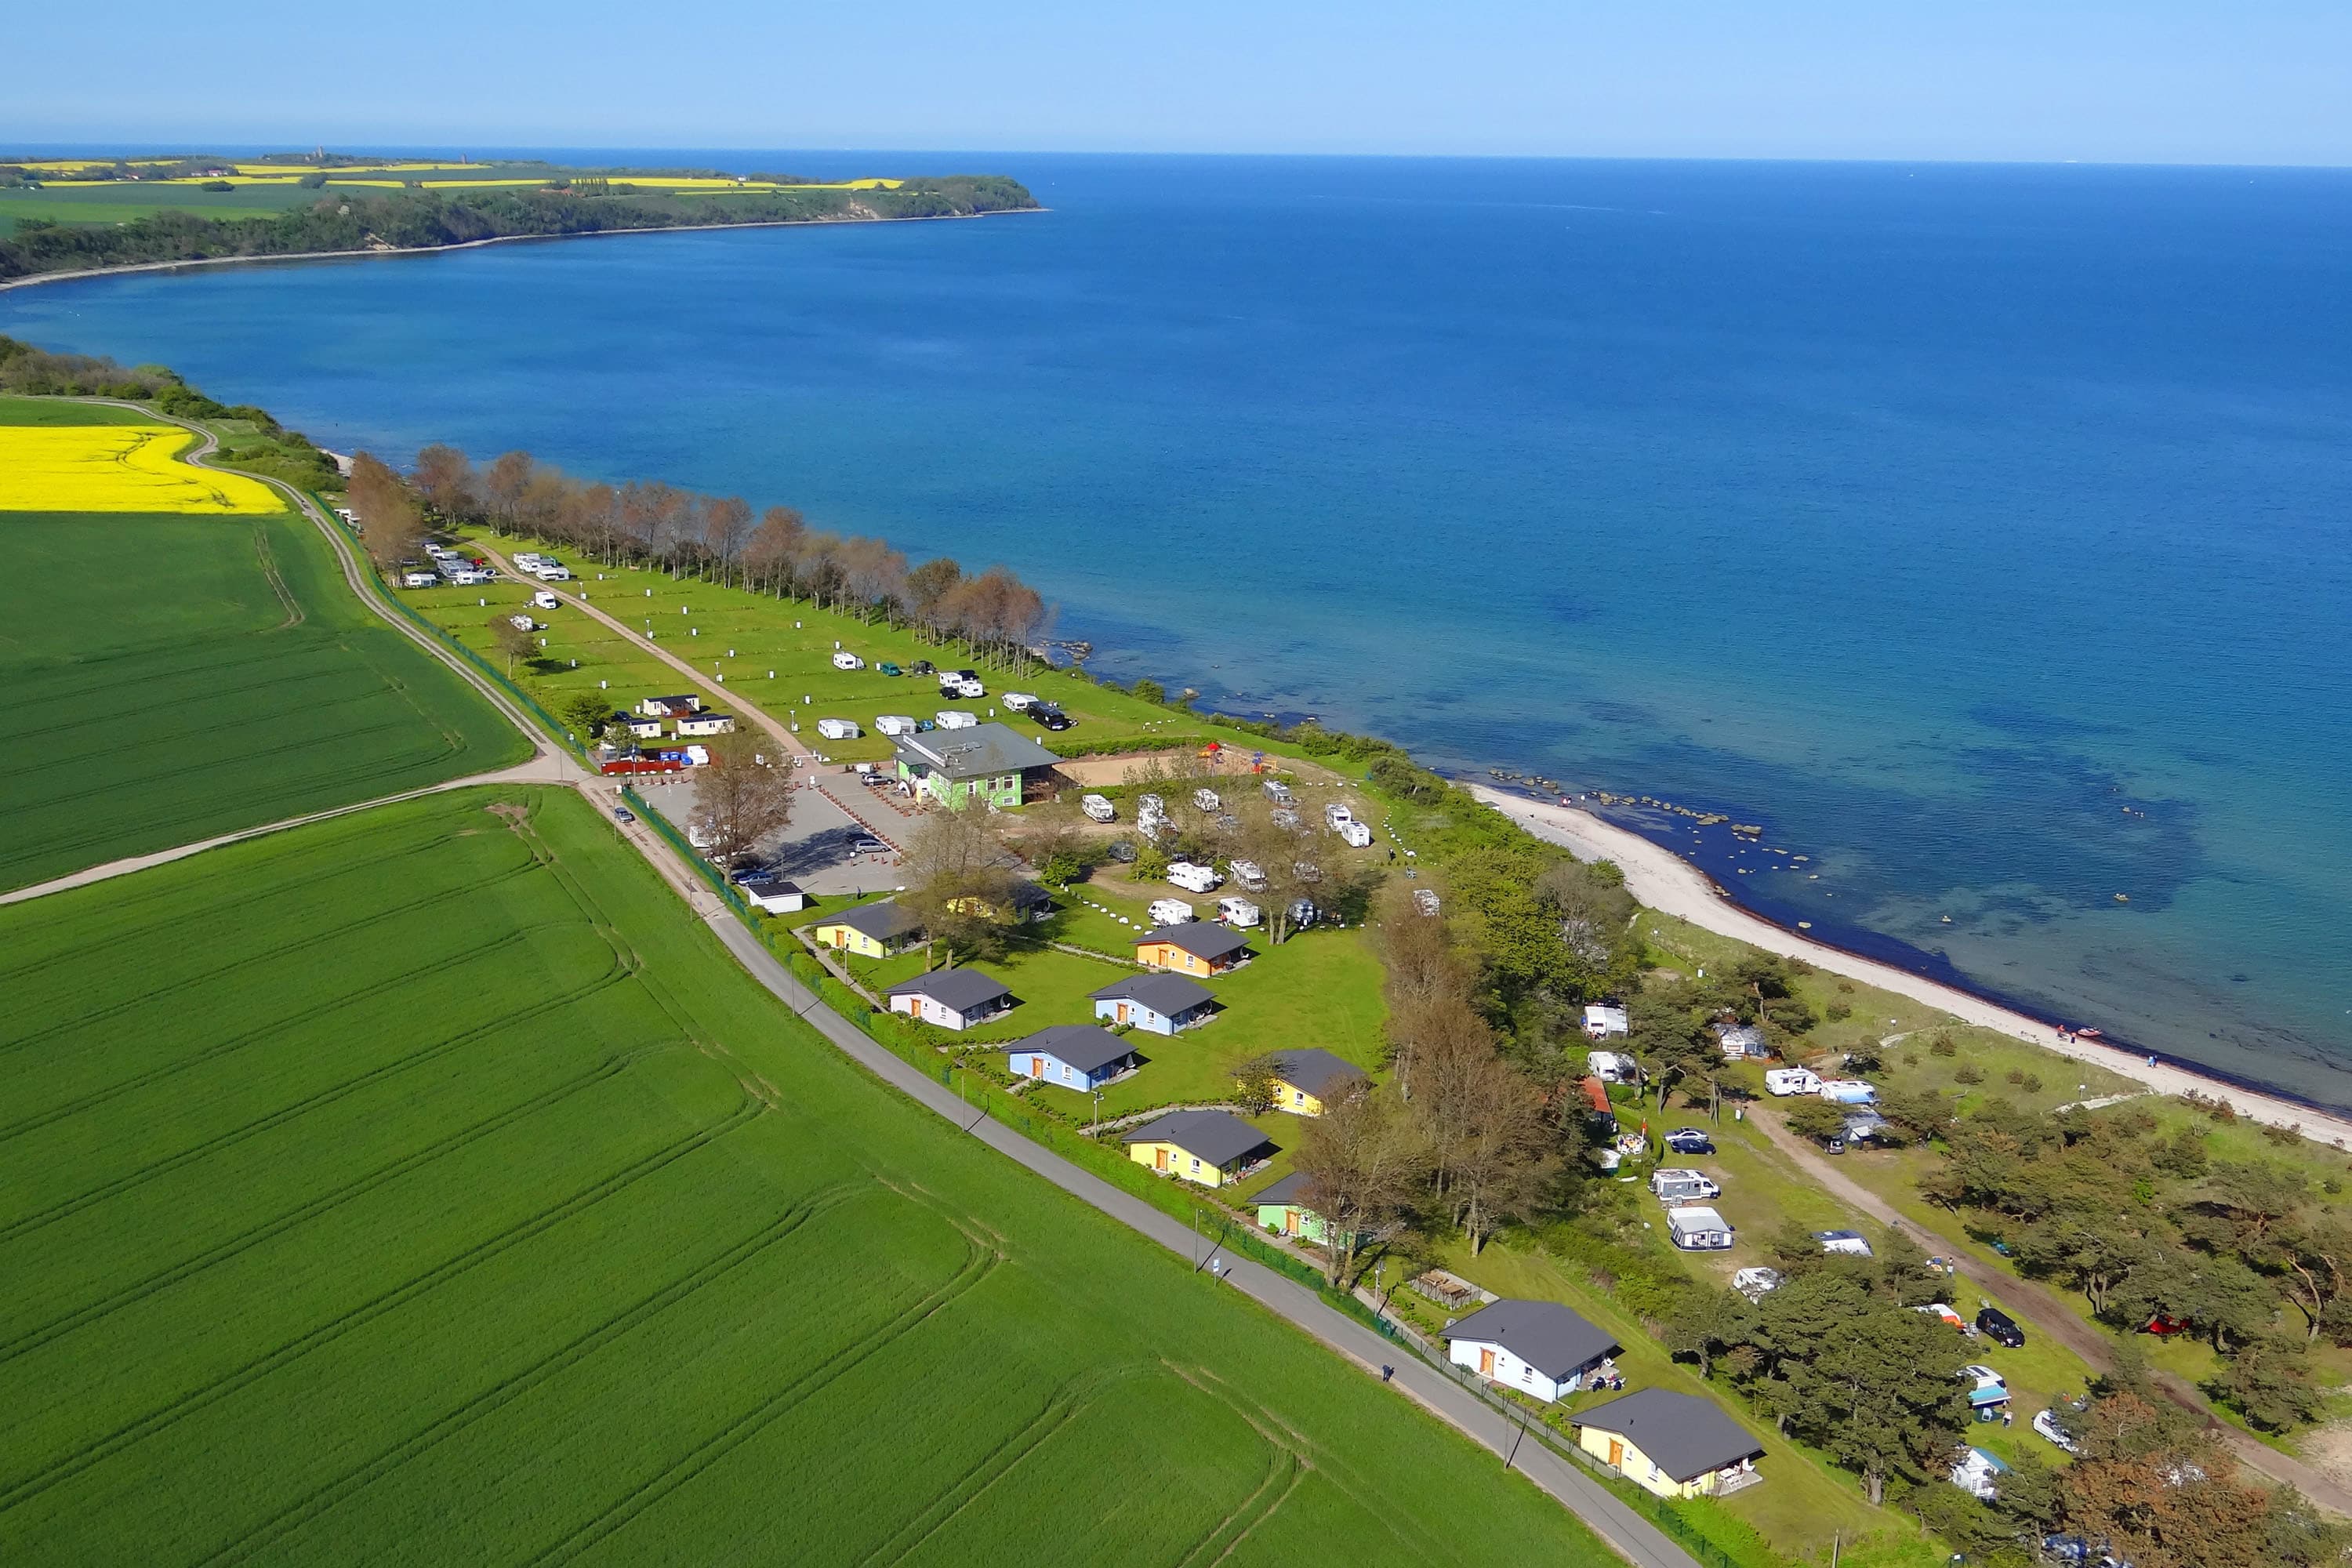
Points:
(1624, 1531)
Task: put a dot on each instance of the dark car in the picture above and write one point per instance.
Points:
(1051, 717)
(1690, 1140)
(623, 814)
(1999, 1327)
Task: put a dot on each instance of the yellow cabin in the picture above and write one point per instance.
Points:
(877, 930)
(1310, 1082)
(1675, 1445)
(1210, 1147)
(1192, 949)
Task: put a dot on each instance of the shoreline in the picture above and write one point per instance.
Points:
(1664, 881)
(130, 268)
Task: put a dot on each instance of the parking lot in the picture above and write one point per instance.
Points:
(815, 849)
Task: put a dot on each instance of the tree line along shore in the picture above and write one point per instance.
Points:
(1476, 1149)
(69, 231)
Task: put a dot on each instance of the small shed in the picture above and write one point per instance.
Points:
(951, 998)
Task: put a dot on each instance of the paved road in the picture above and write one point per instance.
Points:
(2040, 1306)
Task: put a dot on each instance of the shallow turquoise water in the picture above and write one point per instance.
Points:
(1931, 516)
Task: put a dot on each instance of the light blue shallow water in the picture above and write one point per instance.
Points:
(1931, 516)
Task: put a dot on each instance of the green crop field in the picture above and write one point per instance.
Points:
(427, 1185)
(181, 676)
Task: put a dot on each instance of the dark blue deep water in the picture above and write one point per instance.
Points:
(1930, 516)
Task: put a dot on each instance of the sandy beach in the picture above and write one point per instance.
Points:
(1668, 883)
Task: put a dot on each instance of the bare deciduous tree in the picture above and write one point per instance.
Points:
(960, 879)
(742, 797)
(1364, 1161)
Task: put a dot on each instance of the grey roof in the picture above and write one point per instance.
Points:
(1198, 938)
(883, 921)
(1171, 995)
(1217, 1136)
(1544, 1334)
(973, 753)
(1684, 1435)
(1089, 1047)
(961, 989)
(1318, 1072)
(1291, 1189)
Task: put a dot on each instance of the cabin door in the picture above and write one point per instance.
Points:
(1159, 1159)
(1037, 1067)
(1616, 1454)
(1290, 1222)
(1486, 1364)
(1122, 1013)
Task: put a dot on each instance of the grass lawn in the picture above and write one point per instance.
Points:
(179, 677)
(431, 1186)
(56, 411)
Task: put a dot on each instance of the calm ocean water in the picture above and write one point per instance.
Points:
(1981, 532)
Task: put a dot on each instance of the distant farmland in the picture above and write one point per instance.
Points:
(426, 1187)
(181, 676)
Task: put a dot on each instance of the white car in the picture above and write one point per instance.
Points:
(848, 661)
(2045, 1424)
(1170, 912)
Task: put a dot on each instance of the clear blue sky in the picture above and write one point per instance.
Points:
(2155, 81)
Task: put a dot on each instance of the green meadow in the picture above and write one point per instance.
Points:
(427, 1185)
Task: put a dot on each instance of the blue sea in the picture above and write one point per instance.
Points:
(1979, 531)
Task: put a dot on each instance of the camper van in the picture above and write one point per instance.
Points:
(545, 599)
(845, 659)
(1248, 875)
(1193, 879)
(1792, 1081)
(960, 683)
(893, 725)
(1355, 835)
(1020, 701)
(957, 719)
(522, 623)
(1171, 911)
(1675, 1184)
(1336, 817)
(1697, 1229)
(1238, 912)
(471, 576)
(420, 579)
(552, 572)
(1098, 808)
(1206, 799)
(1151, 805)
(1282, 817)
(838, 728)
(1280, 793)
(1612, 1066)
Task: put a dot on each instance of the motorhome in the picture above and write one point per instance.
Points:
(1239, 912)
(1355, 835)
(1247, 874)
(838, 728)
(1151, 805)
(1695, 1228)
(1171, 911)
(529, 561)
(545, 599)
(1193, 879)
(894, 724)
(1851, 1243)
(1280, 793)
(1336, 817)
(1283, 818)
(1425, 901)
(1677, 1184)
(845, 659)
(1020, 701)
(1098, 807)
(960, 683)
(1206, 799)
(1792, 1081)
(420, 579)
(552, 572)
(1612, 1066)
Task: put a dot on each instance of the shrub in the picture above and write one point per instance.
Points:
(1944, 1046)
(2031, 1083)
(2016, 1075)
(1839, 1012)
(1969, 1072)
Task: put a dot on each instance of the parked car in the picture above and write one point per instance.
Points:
(867, 843)
(623, 814)
(2001, 1328)
(1049, 717)
(1690, 1140)
(886, 668)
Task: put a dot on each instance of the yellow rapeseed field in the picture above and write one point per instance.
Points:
(117, 468)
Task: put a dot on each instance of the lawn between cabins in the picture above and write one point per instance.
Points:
(178, 677)
(448, 1127)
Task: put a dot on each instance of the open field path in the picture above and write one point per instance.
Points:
(1624, 1531)
(1671, 885)
(2040, 1306)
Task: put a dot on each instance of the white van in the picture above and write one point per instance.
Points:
(1336, 817)
(838, 728)
(1675, 1184)
(545, 599)
(1206, 799)
(957, 719)
(1238, 912)
(1792, 1081)
(1020, 701)
(1697, 1229)
(1170, 912)
(1355, 835)
(848, 661)
(1097, 808)
(894, 724)
(1193, 879)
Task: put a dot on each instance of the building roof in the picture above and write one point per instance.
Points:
(884, 921)
(1089, 1047)
(1197, 938)
(1291, 1191)
(1544, 1334)
(976, 753)
(959, 989)
(688, 700)
(1318, 1072)
(766, 881)
(1217, 1136)
(1171, 995)
(1681, 1434)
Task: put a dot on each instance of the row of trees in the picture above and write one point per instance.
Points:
(992, 614)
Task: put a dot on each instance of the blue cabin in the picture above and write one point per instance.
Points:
(1083, 1056)
(1160, 1003)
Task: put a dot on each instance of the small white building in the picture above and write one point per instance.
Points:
(1540, 1348)
(1604, 1019)
(705, 723)
(838, 728)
